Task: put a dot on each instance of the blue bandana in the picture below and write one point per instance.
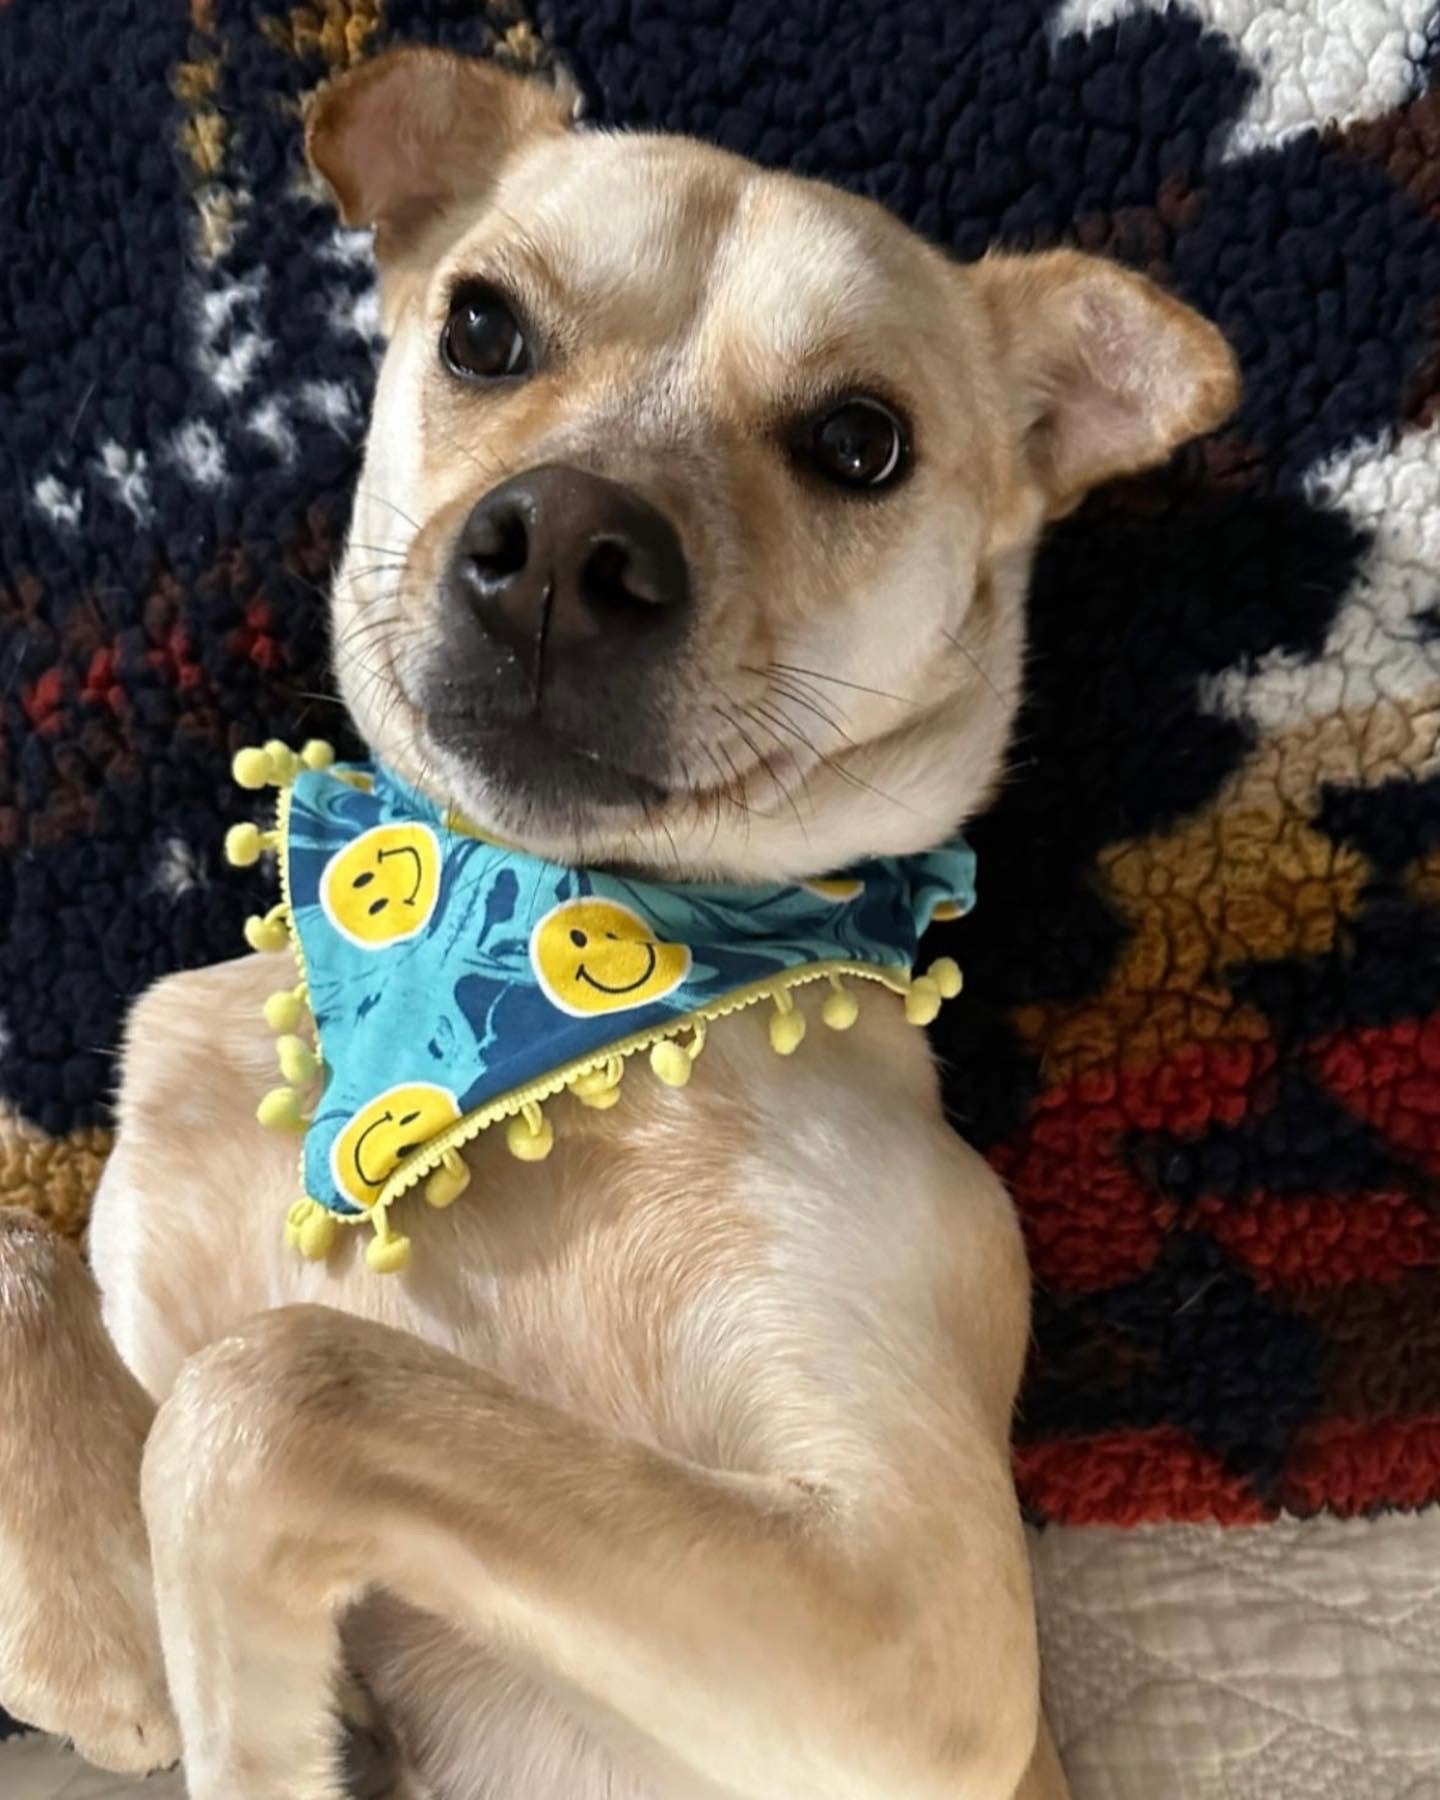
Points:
(453, 982)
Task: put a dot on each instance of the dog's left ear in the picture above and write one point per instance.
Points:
(1107, 373)
(404, 140)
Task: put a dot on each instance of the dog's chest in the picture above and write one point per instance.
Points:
(661, 1271)
(604, 1279)
(642, 1278)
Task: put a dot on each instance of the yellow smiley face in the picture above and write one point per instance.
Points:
(382, 889)
(381, 1135)
(595, 956)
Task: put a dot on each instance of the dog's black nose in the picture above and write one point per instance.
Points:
(557, 561)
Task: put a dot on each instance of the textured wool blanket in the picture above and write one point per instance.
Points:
(1202, 1038)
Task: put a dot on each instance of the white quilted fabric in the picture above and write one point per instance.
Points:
(1292, 1661)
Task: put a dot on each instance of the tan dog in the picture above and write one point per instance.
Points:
(693, 532)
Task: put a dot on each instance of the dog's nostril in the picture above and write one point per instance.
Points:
(497, 545)
(612, 579)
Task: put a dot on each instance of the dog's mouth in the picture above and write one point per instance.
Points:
(532, 770)
(610, 767)
(690, 754)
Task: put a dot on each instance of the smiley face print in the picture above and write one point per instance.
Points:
(382, 889)
(594, 956)
(381, 1135)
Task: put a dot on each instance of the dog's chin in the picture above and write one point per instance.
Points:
(528, 782)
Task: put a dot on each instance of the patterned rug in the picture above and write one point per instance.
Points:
(1203, 1035)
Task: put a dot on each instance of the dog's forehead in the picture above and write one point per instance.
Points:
(793, 273)
(704, 244)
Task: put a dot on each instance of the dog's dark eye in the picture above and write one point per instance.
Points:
(483, 338)
(858, 444)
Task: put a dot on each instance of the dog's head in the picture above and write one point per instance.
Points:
(699, 500)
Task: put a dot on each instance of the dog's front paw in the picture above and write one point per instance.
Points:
(86, 1668)
(136, 1740)
(123, 1734)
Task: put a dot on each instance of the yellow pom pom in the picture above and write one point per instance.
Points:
(787, 1032)
(316, 1237)
(243, 845)
(251, 769)
(284, 1011)
(445, 1186)
(280, 1110)
(267, 934)
(388, 1255)
(945, 973)
(671, 1063)
(298, 1063)
(841, 1009)
(311, 1230)
(945, 911)
(284, 763)
(317, 754)
(530, 1136)
(600, 1088)
(922, 1002)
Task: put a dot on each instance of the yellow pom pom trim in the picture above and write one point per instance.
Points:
(311, 1230)
(841, 1008)
(275, 764)
(298, 1062)
(945, 973)
(284, 1010)
(388, 1255)
(670, 1063)
(947, 910)
(674, 1062)
(600, 1088)
(244, 845)
(922, 1001)
(447, 1183)
(269, 933)
(280, 1110)
(787, 1027)
(284, 763)
(528, 1132)
(530, 1135)
(251, 769)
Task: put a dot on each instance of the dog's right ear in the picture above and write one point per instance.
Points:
(403, 139)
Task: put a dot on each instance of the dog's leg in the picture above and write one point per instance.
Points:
(1044, 1779)
(79, 1643)
(755, 1637)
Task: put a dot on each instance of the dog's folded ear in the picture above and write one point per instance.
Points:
(1108, 372)
(405, 138)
